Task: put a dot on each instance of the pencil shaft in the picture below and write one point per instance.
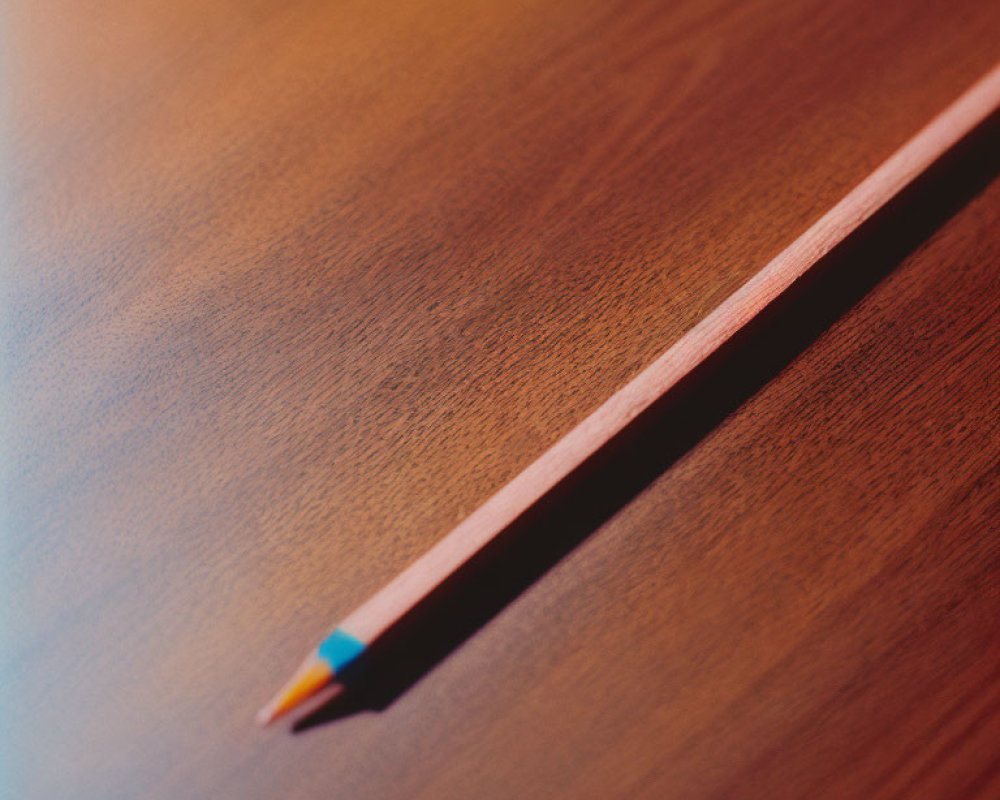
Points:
(422, 576)
(414, 583)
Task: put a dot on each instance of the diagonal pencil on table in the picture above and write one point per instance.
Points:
(362, 627)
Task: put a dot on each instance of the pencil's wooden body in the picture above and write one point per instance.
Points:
(860, 204)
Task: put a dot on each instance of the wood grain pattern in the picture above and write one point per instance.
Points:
(805, 605)
(290, 290)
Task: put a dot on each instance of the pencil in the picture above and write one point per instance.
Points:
(357, 631)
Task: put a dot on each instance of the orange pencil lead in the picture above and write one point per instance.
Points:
(313, 675)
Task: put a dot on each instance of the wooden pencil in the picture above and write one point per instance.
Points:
(375, 616)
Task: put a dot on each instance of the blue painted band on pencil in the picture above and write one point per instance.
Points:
(339, 649)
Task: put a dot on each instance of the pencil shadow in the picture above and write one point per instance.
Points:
(579, 505)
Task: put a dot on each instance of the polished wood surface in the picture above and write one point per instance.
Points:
(807, 604)
(292, 289)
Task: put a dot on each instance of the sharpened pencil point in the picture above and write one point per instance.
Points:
(313, 675)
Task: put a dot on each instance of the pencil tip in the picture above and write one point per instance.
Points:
(312, 676)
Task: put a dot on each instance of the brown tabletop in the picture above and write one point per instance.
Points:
(291, 288)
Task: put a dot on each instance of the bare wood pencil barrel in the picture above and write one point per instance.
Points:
(374, 617)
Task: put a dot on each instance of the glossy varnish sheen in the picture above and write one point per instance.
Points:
(291, 289)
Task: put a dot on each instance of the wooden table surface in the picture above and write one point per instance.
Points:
(290, 288)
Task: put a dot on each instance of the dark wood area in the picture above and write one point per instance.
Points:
(806, 604)
(289, 289)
